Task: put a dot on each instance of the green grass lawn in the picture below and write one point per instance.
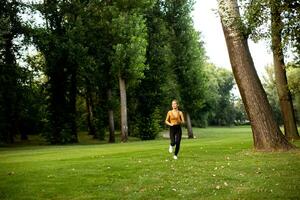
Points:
(219, 164)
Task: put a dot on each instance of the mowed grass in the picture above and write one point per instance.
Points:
(219, 164)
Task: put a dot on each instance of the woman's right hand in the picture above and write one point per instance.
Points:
(168, 123)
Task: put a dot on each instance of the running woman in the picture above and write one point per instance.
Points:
(174, 120)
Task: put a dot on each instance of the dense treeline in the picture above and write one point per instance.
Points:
(106, 65)
(95, 57)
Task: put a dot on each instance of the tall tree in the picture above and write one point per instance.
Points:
(274, 11)
(59, 42)
(10, 28)
(285, 98)
(129, 51)
(189, 61)
(151, 90)
(98, 74)
(266, 133)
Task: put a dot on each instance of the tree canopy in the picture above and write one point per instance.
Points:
(102, 66)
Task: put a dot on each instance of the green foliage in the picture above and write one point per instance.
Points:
(241, 117)
(155, 90)
(10, 72)
(149, 128)
(128, 57)
(61, 43)
(100, 123)
(293, 76)
(223, 112)
(269, 84)
(34, 112)
(257, 14)
(189, 56)
(291, 18)
(83, 48)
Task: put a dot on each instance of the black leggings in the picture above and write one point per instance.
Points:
(175, 136)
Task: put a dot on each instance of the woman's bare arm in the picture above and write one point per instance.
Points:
(182, 118)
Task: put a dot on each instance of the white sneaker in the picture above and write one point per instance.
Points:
(175, 157)
(170, 149)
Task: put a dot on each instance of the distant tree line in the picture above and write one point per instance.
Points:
(102, 66)
(105, 65)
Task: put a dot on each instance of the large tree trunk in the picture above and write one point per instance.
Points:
(124, 127)
(285, 99)
(111, 118)
(58, 105)
(189, 126)
(266, 133)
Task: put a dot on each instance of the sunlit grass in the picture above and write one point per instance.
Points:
(219, 164)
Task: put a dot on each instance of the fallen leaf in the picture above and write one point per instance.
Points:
(10, 173)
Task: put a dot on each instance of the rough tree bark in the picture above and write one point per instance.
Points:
(124, 126)
(189, 126)
(285, 99)
(266, 133)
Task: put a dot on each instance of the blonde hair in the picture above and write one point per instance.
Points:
(175, 100)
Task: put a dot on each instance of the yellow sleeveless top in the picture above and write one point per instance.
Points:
(174, 118)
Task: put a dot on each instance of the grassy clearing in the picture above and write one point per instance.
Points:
(219, 164)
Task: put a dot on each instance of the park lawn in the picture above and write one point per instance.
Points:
(219, 164)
